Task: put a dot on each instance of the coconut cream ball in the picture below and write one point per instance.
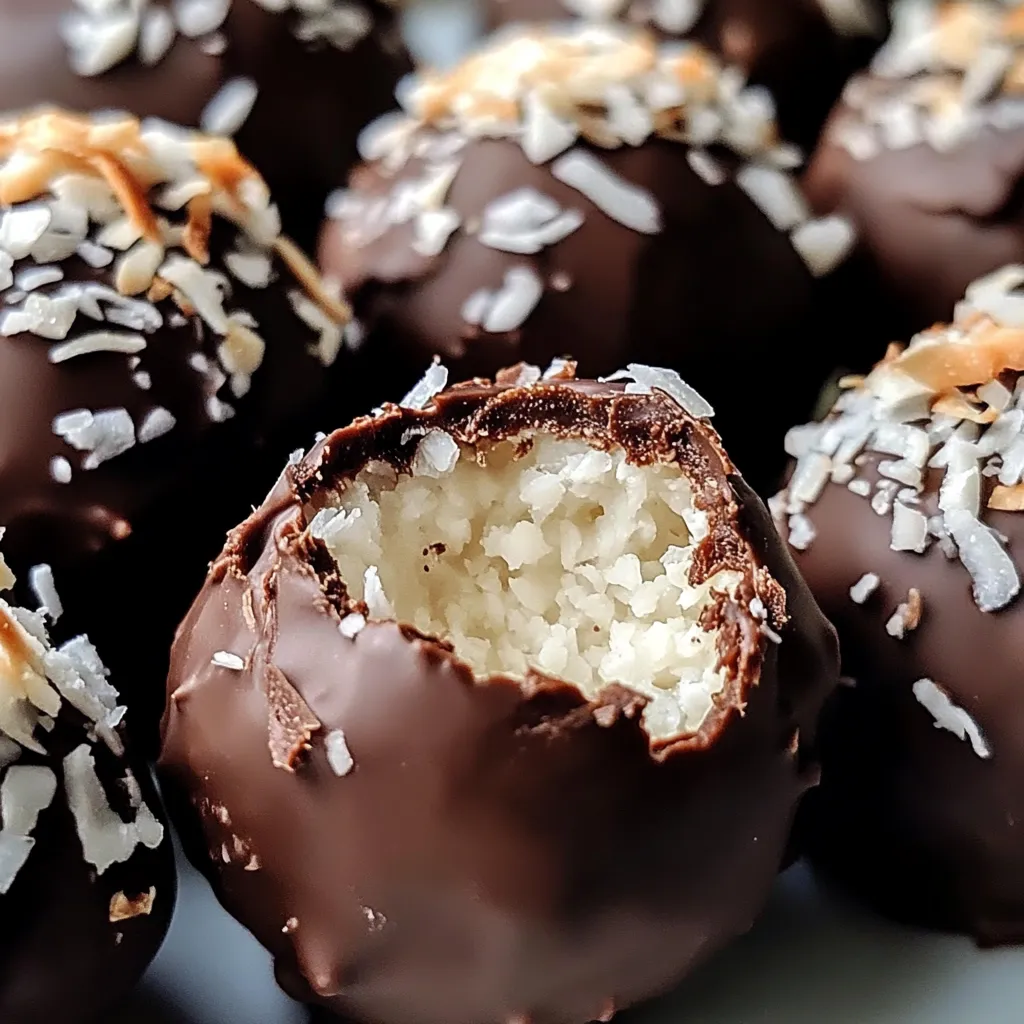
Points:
(500, 706)
(87, 878)
(159, 338)
(925, 155)
(904, 514)
(802, 50)
(292, 82)
(590, 182)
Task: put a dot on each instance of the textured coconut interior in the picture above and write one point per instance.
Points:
(549, 555)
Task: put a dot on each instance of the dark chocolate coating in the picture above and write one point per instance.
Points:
(495, 854)
(61, 957)
(311, 104)
(787, 45)
(719, 294)
(929, 223)
(165, 503)
(907, 815)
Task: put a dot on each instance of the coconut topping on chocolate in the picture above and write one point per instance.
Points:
(952, 402)
(142, 199)
(41, 684)
(948, 70)
(933, 439)
(99, 36)
(553, 91)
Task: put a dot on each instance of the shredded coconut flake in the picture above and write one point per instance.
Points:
(948, 716)
(628, 204)
(824, 244)
(60, 469)
(157, 422)
(432, 383)
(647, 379)
(909, 529)
(230, 107)
(436, 455)
(26, 791)
(105, 837)
(97, 341)
(352, 625)
(775, 194)
(338, 755)
(14, 852)
(996, 581)
(511, 304)
(225, 659)
(864, 588)
(801, 532)
(40, 579)
(104, 435)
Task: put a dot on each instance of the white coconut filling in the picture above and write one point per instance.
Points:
(566, 560)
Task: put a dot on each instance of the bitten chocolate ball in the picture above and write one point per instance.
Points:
(293, 82)
(925, 155)
(801, 50)
(588, 183)
(86, 872)
(157, 335)
(500, 706)
(905, 512)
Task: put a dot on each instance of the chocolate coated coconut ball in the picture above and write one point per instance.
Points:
(926, 156)
(157, 334)
(905, 512)
(500, 705)
(86, 872)
(802, 50)
(587, 189)
(293, 82)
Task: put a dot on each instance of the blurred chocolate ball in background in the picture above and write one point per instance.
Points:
(925, 156)
(588, 190)
(801, 50)
(292, 82)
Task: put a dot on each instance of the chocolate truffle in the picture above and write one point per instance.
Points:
(292, 81)
(905, 512)
(588, 189)
(156, 334)
(500, 705)
(801, 50)
(86, 871)
(926, 156)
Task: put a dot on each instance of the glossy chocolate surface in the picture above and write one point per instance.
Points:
(907, 814)
(500, 850)
(61, 957)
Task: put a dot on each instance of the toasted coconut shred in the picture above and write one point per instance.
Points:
(146, 196)
(557, 92)
(947, 71)
(951, 402)
(38, 683)
(540, 555)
